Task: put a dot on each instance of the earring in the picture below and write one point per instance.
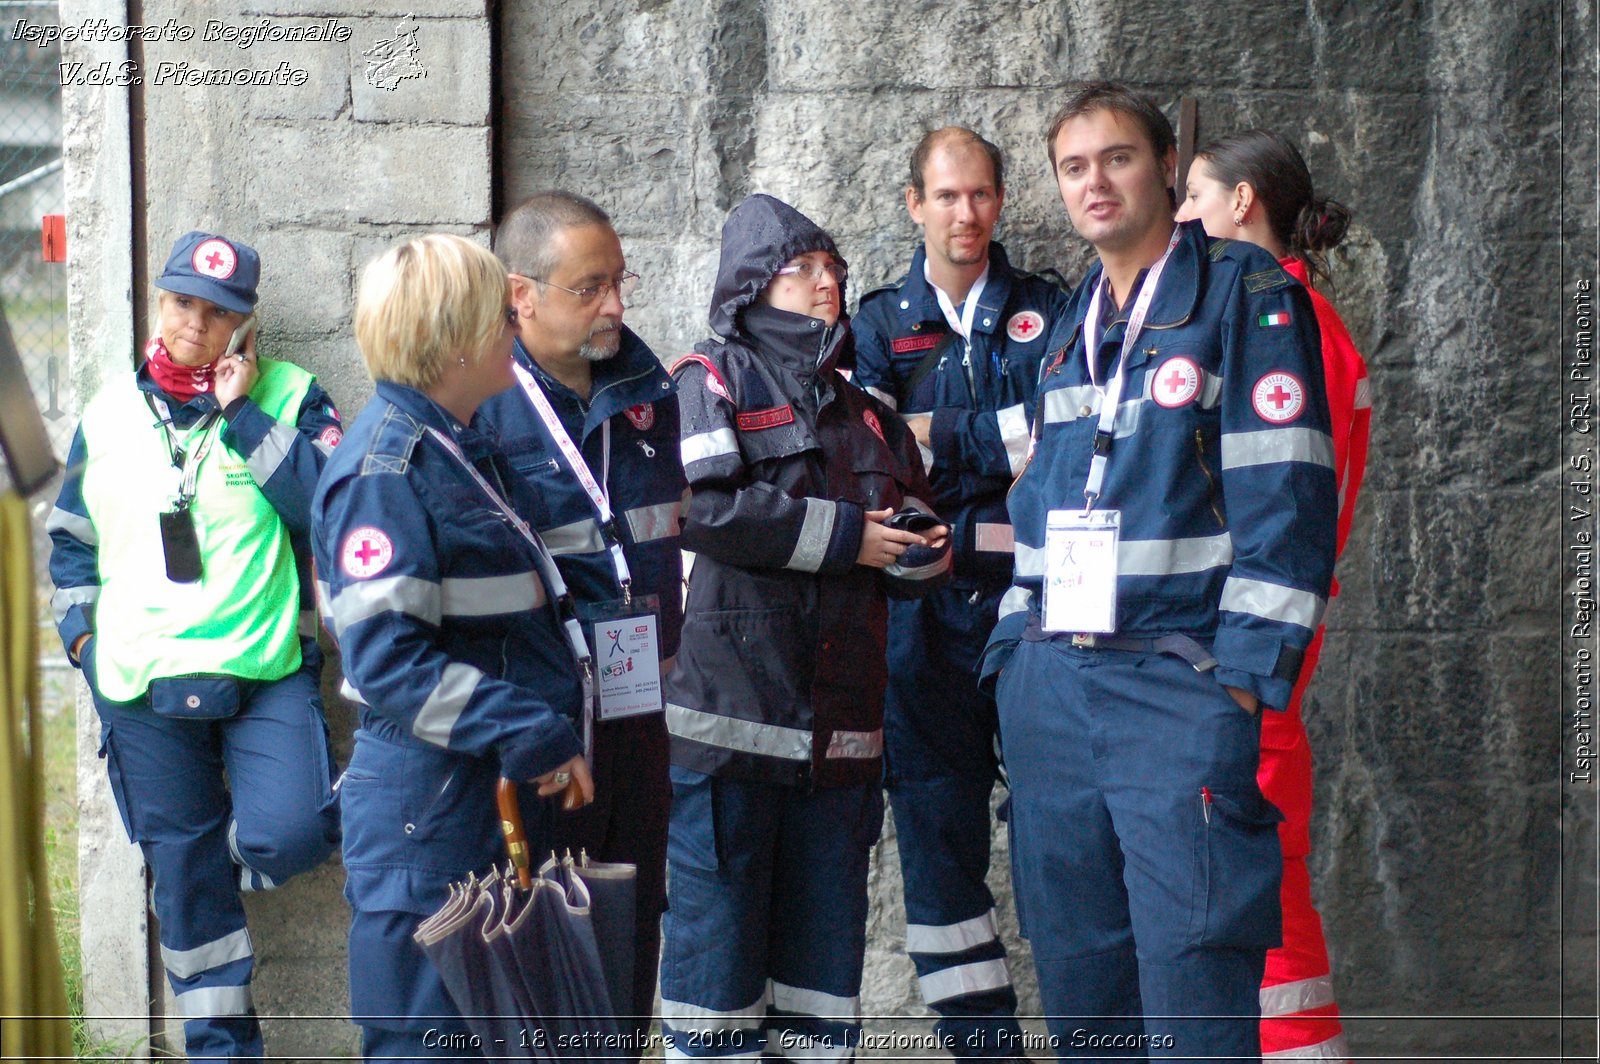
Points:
(1238, 221)
(463, 360)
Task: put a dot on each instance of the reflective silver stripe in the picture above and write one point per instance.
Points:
(676, 1054)
(77, 526)
(483, 596)
(580, 537)
(927, 456)
(683, 1014)
(67, 597)
(187, 963)
(1333, 1049)
(919, 572)
(731, 733)
(855, 744)
(1272, 601)
(323, 448)
(251, 881)
(1164, 557)
(883, 397)
(215, 1001)
(661, 521)
(1014, 600)
(1013, 422)
(445, 702)
(1269, 446)
(363, 599)
(952, 938)
(713, 444)
(964, 979)
(348, 692)
(1363, 394)
(1285, 999)
(1210, 390)
(1030, 560)
(815, 532)
(325, 603)
(270, 452)
(1068, 404)
(814, 1002)
(993, 536)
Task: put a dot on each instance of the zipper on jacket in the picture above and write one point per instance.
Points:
(1211, 481)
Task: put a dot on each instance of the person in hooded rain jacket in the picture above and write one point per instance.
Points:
(806, 511)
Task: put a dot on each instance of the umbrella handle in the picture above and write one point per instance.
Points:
(516, 835)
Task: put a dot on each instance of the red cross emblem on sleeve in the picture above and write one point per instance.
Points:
(215, 258)
(1177, 382)
(1278, 398)
(1025, 325)
(366, 552)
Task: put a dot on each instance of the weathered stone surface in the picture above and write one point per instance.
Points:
(451, 92)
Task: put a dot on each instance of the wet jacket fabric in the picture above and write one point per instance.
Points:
(1221, 464)
(780, 672)
(980, 394)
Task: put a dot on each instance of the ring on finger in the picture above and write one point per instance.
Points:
(561, 779)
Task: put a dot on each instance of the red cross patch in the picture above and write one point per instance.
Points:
(1025, 325)
(215, 258)
(1278, 398)
(873, 423)
(642, 416)
(1176, 383)
(366, 552)
(330, 436)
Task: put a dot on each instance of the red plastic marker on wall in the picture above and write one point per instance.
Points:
(54, 236)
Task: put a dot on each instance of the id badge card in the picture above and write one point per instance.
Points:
(626, 641)
(1080, 574)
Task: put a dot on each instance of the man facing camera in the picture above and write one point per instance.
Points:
(955, 346)
(1175, 545)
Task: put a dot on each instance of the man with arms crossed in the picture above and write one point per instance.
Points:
(1175, 529)
(593, 425)
(955, 346)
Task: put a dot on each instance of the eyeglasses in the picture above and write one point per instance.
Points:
(811, 271)
(624, 285)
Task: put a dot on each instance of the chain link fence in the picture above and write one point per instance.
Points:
(33, 291)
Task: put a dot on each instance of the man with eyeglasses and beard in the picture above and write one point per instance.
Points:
(593, 425)
(955, 346)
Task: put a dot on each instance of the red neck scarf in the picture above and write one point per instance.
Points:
(181, 382)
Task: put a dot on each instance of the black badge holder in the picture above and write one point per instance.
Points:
(180, 543)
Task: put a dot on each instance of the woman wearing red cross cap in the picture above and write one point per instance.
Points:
(1254, 186)
(182, 569)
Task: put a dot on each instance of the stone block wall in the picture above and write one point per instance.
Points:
(1436, 716)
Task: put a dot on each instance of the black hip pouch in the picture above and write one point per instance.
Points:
(180, 545)
(198, 697)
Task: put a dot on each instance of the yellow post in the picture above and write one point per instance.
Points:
(33, 996)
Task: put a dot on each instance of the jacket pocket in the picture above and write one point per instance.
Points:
(1239, 872)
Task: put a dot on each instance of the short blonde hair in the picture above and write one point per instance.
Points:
(425, 302)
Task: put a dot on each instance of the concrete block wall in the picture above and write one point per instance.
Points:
(1436, 714)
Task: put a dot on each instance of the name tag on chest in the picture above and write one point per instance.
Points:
(627, 656)
(1080, 577)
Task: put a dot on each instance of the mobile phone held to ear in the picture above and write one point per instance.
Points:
(240, 335)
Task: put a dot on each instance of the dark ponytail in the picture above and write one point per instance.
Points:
(1306, 224)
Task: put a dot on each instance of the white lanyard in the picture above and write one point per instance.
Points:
(597, 489)
(192, 458)
(547, 571)
(1111, 394)
(962, 323)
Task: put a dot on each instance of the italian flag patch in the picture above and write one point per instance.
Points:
(1280, 317)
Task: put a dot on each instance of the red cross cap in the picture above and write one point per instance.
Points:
(366, 552)
(1278, 398)
(1177, 382)
(215, 258)
(1025, 325)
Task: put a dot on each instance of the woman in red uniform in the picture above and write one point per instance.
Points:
(1254, 186)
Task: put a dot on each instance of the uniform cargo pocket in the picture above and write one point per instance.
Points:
(1240, 869)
